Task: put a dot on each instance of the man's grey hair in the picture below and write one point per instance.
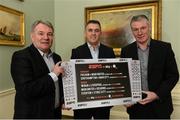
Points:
(47, 23)
(139, 17)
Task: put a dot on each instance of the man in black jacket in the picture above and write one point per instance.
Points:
(37, 76)
(158, 69)
(92, 49)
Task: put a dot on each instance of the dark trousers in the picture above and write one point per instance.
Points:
(96, 113)
(139, 111)
(57, 113)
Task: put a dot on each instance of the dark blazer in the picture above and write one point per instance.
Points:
(162, 73)
(35, 89)
(83, 52)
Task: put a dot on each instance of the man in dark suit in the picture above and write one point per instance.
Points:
(158, 69)
(92, 49)
(37, 76)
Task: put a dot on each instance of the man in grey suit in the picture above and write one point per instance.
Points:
(92, 49)
(158, 69)
(36, 73)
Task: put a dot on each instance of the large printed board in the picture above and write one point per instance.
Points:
(89, 83)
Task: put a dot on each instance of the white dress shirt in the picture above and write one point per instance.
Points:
(48, 58)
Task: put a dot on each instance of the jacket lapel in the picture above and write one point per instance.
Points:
(101, 50)
(86, 52)
(55, 59)
(133, 51)
(38, 59)
(152, 52)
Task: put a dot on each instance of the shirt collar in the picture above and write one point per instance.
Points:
(91, 47)
(45, 54)
(148, 44)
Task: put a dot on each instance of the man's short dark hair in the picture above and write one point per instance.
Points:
(139, 17)
(93, 22)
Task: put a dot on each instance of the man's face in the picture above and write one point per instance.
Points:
(141, 31)
(42, 37)
(92, 33)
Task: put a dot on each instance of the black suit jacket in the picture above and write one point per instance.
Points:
(35, 89)
(83, 52)
(162, 73)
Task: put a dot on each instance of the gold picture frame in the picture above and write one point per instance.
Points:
(11, 27)
(115, 19)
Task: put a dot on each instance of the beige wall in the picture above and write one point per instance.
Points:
(171, 25)
(7, 104)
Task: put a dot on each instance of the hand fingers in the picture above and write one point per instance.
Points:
(128, 105)
(144, 101)
(146, 92)
(58, 63)
(65, 108)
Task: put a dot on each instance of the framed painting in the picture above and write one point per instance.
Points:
(11, 27)
(115, 21)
